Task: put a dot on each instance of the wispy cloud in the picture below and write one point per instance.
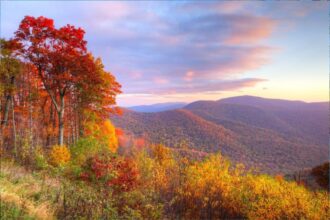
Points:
(167, 51)
(200, 87)
(173, 47)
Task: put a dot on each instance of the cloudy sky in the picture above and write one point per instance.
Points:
(186, 51)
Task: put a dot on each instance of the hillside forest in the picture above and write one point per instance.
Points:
(62, 157)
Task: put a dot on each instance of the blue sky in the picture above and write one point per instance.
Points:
(186, 51)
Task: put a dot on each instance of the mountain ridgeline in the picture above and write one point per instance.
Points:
(275, 136)
(158, 107)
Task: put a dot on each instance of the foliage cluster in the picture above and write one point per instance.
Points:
(51, 88)
(109, 170)
(215, 189)
(59, 155)
(155, 182)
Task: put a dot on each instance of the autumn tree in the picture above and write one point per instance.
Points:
(66, 69)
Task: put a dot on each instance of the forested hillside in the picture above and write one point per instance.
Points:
(274, 135)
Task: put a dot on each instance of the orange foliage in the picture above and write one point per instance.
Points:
(104, 132)
(59, 155)
(119, 132)
(279, 177)
(109, 133)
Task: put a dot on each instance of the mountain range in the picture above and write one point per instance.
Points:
(159, 107)
(272, 135)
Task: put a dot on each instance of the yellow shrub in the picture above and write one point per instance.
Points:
(59, 155)
(213, 189)
(159, 170)
(104, 132)
(208, 190)
(109, 133)
(268, 198)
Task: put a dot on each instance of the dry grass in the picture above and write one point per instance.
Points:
(26, 192)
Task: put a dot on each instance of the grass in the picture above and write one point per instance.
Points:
(26, 195)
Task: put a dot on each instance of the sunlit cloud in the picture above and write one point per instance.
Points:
(189, 76)
(194, 87)
(181, 48)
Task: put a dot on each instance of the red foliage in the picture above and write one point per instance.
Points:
(127, 175)
(120, 173)
(119, 132)
(73, 80)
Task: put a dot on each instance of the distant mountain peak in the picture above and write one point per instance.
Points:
(257, 98)
(270, 103)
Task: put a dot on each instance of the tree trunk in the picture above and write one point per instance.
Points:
(61, 122)
(59, 109)
(14, 126)
(31, 123)
(8, 99)
(6, 111)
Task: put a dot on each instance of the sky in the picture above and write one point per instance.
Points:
(183, 51)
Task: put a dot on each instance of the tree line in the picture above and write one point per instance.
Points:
(51, 85)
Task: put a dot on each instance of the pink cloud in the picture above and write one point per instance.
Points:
(220, 7)
(251, 59)
(218, 86)
(189, 76)
(160, 80)
(229, 7)
(249, 30)
(109, 10)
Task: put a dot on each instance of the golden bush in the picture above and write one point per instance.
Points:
(59, 155)
(268, 198)
(104, 132)
(214, 189)
(109, 134)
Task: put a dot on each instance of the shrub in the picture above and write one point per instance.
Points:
(12, 211)
(40, 159)
(104, 132)
(208, 190)
(136, 204)
(321, 173)
(213, 189)
(263, 197)
(80, 201)
(110, 136)
(85, 148)
(59, 155)
(108, 170)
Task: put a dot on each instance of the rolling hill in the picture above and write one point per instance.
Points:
(273, 135)
(292, 119)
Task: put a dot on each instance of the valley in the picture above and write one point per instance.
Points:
(274, 136)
